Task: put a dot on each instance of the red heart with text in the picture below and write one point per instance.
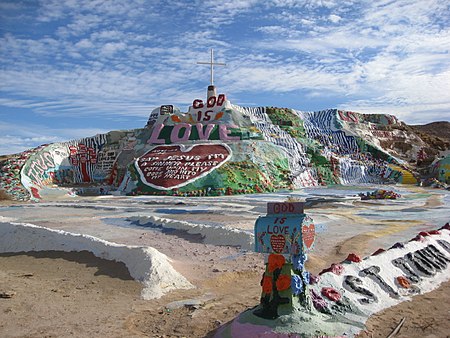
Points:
(277, 242)
(172, 166)
(308, 235)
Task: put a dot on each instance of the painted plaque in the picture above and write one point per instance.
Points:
(284, 235)
(167, 167)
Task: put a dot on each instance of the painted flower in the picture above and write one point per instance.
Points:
(283, 282)
(267, 284)
(298, 261)
(275, 262)
(353, 258)
(175, 118)
(306, 276)
(296, 285)
(403, 282)
(331, 294)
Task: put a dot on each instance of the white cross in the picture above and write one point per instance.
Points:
(212, 64)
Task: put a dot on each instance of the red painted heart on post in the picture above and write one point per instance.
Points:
(308, 235)
(172, 166)
(277, 243)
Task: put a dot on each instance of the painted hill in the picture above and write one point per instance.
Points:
(219, 148)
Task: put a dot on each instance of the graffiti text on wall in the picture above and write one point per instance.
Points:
(37, 168)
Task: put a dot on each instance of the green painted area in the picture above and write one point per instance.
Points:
(376, 153)
(443, 170)
(287, 121)
(293, 125)
(255, 167)
(324, 167)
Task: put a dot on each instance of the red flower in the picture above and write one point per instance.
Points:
(331, 294)
(283, 282)
(275, 262)
(353, 258)
(267, 284)
(404, 283)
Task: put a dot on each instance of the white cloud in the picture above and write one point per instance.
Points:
(108, 35)
(334, 18)
(84, 43)
(310, 4)
(120, 57)
(19, 137)
(214, 13)
(275, 30)
(110, 48)
(265, 78)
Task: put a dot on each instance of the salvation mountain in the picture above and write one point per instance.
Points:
(219, 148)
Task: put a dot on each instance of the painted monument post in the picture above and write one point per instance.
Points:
(286, 235)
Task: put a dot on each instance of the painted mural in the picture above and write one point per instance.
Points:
(174, 166)
(218, 148)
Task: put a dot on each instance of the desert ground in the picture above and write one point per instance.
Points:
(75, 294)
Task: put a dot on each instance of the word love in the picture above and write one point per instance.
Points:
(182, 132)
(278, 229)
(293, 234)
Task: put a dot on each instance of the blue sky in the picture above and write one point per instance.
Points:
(74, 68)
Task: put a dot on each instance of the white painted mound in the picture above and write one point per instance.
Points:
(387, 278)
(216, 235)
(145, 264)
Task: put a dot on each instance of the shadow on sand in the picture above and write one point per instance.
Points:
(104, 267)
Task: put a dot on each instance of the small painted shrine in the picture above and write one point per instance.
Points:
(286, 235)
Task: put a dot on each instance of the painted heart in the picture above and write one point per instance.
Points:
(167, 167)
(277, 242)
(308, 235)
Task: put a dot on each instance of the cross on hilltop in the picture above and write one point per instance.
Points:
(212, 64)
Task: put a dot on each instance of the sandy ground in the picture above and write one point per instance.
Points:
(426, 316)
(57, 294)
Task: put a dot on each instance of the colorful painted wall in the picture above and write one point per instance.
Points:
(218, 148)
(441, 169)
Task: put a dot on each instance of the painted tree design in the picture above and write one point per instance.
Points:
(82, 157)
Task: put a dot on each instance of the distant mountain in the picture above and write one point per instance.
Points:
(218, 148)
(440, 129)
